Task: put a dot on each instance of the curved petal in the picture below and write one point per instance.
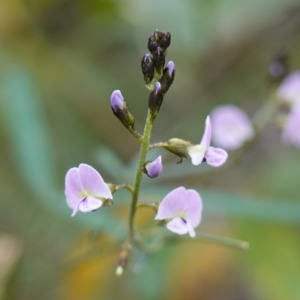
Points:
(196, 153)
(216, 157)
(72, 187)
(206, 139)
(173, 203)
(178, 226)
(89, 204)
(92, 181)
(193, 207)
(154, 168)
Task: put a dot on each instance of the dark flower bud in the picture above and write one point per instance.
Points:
(158, 35)
(147, 68)
(165, 41)
(121, 110)
(278, 67)
(159, 60)
(155, 100)
(168, 77)
(152, 44)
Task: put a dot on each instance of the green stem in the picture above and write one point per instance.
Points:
(158, 145)
(137, 135)
(221, 240)
(215, 239)
(139, 173)
(124, 186)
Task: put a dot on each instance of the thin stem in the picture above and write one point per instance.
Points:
(139, 173)
(124, 186)
(158, 145)
(137, 135)
(157, 77)
(153, 206)
(221, 240)
(216, 239)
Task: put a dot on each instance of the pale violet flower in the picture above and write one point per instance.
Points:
(291, 130)
(289, 89)
(182, 209)
(204, 152)
(85, 189)
(231, 127)
(154, 168)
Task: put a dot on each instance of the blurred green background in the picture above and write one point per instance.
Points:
(60, 60)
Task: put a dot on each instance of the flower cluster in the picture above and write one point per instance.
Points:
(181, 209)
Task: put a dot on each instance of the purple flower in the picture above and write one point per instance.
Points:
(154, 168)
(117, 101)
(182, 209)
(289, 89)
(85, 189)
(291, 132)
(232, 127)
(203, 152)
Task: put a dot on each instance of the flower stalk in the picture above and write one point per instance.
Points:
(139, 173)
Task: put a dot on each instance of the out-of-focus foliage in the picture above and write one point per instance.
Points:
(60, 60)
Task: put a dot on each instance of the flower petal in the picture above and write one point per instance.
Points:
(89, 204)
(216, 157)
(181, 226)
(178, 226)
(92, 181)
(154, 168)
(196, 153)
(232, 127)
(291, 133)
(289, 89)
(193, 207)
(173, 203)
(206, 139)
(72, 187)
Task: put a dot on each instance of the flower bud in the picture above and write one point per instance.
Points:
(178, 147)
(165, 41)
(159, 60)
(168, 77)
(152, 44)
(147, 68)
(153, 168)
(155, 100)
(278, 67)
(158, 35)
(121, 110)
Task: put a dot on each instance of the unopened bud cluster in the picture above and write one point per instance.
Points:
(157, 77)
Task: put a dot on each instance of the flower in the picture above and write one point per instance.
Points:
(182, 209)
(154, 168)
(85, 189)
(203, 152)
(291, 133)
(289, 89)
(232, 127)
